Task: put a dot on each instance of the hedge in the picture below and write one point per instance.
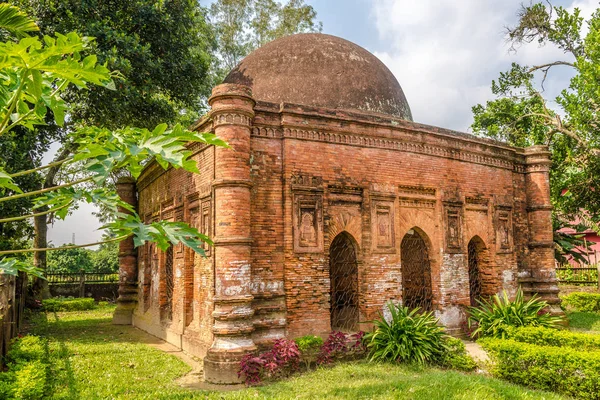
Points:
(584, 302)
(27, 377)
(68, 304)
(562, 370)
(554, 337)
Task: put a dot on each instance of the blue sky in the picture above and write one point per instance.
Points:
(444, 53)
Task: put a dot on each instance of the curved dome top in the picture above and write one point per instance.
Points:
(321, 70)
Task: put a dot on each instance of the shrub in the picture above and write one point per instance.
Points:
(31, 380)
(281, 360)
(68, 304)
(584, 302)
(493, 316)
(455, 356)
(409, 336)
(556, 369)
(340, 346)
(554, 337)
(309, 347)
(27, 348)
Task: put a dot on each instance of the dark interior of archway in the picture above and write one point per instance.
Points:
(343, 270)
(167, 306)
(475, 261)
(416, 272)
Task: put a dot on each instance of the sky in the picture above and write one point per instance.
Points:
(444, 53)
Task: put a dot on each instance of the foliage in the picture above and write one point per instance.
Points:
(455, 355)
(522, 114)
(569, 246)
(67, 260)
(244, 25)
(161, 48)
(36, 74)
(557, 369)
(577, 275)
(553, 337)
(29, 364)
(408, 336)
(341, 347)
(27, 348)
(68, 304)
(493, 316)
(309, 346)
(280, 361)
(308, 342)
(584, 302)
(93, 359)
(15, 21)
(106, 258)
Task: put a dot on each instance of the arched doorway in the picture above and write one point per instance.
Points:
(476, 259)
(416, 272)
(343, 273)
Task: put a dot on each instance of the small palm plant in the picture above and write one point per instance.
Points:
(492, 316)
(409, 336)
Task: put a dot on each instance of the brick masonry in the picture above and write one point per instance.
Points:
(298, 176)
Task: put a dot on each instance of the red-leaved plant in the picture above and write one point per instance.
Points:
(282, 360)
(340, 346)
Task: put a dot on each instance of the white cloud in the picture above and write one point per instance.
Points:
(445, 53)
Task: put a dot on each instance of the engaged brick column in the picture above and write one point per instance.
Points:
(232, 113)
(128, 273)
(542, 274)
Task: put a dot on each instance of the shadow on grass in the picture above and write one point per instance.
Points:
(584, 320)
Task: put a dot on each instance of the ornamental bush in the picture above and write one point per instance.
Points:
(27, 376)
(579, 301)
(309, 346)
(554, 337)
(558, 369)
(280, 361)
(27, 348)
(493, 316)
(455, 356)
(340, 346)
(409, 336)
(68, 304)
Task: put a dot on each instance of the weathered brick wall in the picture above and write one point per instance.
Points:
(313, 174)
(178, 196)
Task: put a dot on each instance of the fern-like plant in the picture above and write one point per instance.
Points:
(409, 336)
(492, 316)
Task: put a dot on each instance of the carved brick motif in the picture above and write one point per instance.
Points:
(382, 220)
(400, 145)
(504, 228)
(453, 216)
(308, 223)
(231, 119)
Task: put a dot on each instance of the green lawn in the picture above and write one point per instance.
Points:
(584, 321)
(97, 360)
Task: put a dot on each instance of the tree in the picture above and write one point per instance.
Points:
(162, 50)
(36, 75)
(106, 258)
(244, 25)
(70, 260)
(522, 115)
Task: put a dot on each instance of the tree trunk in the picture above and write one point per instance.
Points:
(40, 289)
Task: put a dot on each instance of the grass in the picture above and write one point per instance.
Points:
(584, 321)
(97, 360)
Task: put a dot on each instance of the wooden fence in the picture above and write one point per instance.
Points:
(97, 284)
(12, 303)
(585, 276)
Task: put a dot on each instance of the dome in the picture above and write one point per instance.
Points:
(323, 71)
